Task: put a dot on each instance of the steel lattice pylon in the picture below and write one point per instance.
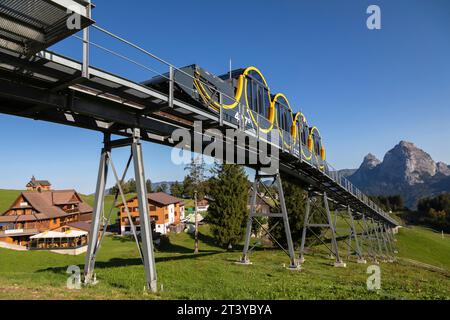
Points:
(283, 214)
(146, 245)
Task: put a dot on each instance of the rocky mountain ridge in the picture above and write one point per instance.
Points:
(406, 170)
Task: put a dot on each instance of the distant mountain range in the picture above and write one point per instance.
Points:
(405, 170)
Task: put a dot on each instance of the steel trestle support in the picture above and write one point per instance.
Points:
(354, 235)
(146, 247)
(312, 208)
(283, 214)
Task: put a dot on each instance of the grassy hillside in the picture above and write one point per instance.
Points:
(6, 199)
(212, 274)
(109, 199)
(424, 245)
(422, 271)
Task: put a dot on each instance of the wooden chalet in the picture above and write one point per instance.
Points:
(38, 185)
(36, 212)
(166, 211)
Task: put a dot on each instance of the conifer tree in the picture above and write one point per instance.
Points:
(228, 212)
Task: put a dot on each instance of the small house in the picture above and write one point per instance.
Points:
(166, 213)
(38, 185)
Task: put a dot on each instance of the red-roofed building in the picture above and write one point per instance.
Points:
(166, 211)
(38, 185)
(35, 212)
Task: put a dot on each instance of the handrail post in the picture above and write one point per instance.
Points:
(221, 109)
(85, 65)
(171, 86)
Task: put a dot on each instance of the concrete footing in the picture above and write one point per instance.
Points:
(340, 264)
(361, 261)
(294, 268)
(244, 262)
(91, 282)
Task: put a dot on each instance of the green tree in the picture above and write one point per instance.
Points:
(228, 212)
(131, 186)
(435, 211)
(148, 184)
(195, 179)
(176, 189)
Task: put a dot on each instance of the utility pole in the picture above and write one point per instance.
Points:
(196, 224)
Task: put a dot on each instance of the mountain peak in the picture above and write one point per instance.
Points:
(370, 162)
(406, 144)
(408, 163)
(406, 170)
(443, 168)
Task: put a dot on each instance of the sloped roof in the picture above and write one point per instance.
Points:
(81, 225)
(45, 203)
(65, 197)
(42, 202)
(161, 198)
(36, 183)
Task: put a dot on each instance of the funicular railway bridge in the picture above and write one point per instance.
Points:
(43, 85)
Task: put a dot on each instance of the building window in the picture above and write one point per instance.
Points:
(167, 216)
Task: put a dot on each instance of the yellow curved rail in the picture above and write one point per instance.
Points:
(242, 87)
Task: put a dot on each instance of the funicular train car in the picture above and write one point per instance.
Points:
(246, 91)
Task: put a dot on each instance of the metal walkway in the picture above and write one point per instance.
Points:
(46, 86)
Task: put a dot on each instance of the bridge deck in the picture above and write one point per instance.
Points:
(50, 87)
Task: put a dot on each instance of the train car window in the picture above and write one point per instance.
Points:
(249, 93)
(304, 134)
(266, 103)
(255, 96)
(280, 112)
(257, 77)
(260, 100)
(317, 146)
(277, 106)
(284, 120)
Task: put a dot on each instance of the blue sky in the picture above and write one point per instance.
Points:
(366, 90)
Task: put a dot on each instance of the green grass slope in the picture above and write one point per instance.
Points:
(212, 274)
(424, 245)
(6, 199)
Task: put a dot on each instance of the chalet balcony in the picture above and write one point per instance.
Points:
(18, 232)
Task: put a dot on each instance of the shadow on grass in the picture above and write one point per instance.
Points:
(166, 246)
(206, 239)
(121, 262)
